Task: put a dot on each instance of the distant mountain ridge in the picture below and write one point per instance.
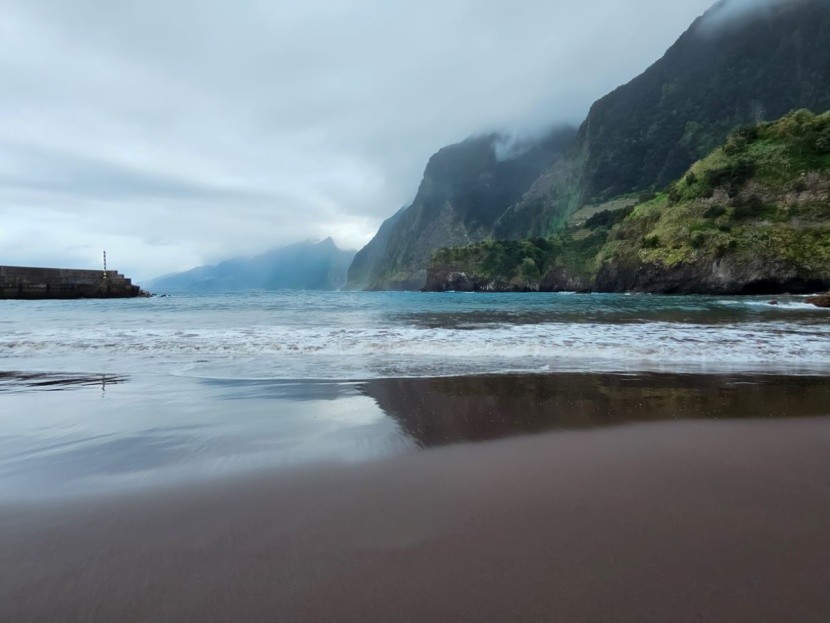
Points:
(302, 266)
(734, 66)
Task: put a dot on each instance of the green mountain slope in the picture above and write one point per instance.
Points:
(715, 78)
(727, 70)
(751, 217)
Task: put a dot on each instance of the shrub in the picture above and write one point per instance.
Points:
(748, 133)
(823, 141)
(749, 207)
(607, 218)
(674, 194)
(529, 270)
(714, 211)
(651, 242)
(731, 176)
(734, 146)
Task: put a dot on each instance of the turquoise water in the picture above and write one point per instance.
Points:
(97, 396)
(343, 335)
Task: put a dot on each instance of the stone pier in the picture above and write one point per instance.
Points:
(22, 282)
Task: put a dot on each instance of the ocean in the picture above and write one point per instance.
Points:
(111, 395)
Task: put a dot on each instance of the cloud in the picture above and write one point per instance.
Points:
(728, 12)
(178, 132)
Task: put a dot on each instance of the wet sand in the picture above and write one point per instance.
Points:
(692, 520)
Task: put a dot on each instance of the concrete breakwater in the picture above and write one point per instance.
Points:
(22, 282)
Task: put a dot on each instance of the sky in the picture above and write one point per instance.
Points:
(174, 133)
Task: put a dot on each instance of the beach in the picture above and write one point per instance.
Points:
(682, 521)
(395, 456)
(468, 312)
(665, 513)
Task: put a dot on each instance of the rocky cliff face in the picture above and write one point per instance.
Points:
(465, 189)
(441, 278)
(730, 275)
(365, 260)
(732, 67)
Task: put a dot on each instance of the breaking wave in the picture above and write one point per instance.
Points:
(361, 352)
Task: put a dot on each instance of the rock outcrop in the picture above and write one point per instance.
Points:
(823, 300)
(727, 276)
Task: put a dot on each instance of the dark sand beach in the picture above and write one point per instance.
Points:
(642, 507)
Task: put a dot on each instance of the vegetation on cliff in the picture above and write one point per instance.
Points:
(720, 74)
(754, 215)
(724, 72)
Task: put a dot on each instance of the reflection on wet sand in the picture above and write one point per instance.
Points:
(439, 411)
(161, 430)
(13, 381)
(275, 389)
(687, 521)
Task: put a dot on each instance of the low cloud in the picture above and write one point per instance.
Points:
(727, 13)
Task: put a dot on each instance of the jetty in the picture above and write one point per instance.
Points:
(23, 282)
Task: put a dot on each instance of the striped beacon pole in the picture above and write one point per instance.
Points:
(105, 265)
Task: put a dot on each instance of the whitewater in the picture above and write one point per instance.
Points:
(351, 336)
(102, 396)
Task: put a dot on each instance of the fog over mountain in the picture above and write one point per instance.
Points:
(303, 266)
(180, 133)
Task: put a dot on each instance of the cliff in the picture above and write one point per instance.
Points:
(465, 189)
(752, 217)
(365, 260)
(730, 68)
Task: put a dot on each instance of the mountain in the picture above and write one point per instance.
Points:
(732, 67)
(465, 188)
(722, 73)
(303, 266)
(360, 271)
(737, 64)
(753, 217)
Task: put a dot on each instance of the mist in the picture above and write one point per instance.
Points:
(729, 12)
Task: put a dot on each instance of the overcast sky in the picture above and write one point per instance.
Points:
(180, 132)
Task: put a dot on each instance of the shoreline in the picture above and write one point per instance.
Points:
(679, 520)
(98, 435)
